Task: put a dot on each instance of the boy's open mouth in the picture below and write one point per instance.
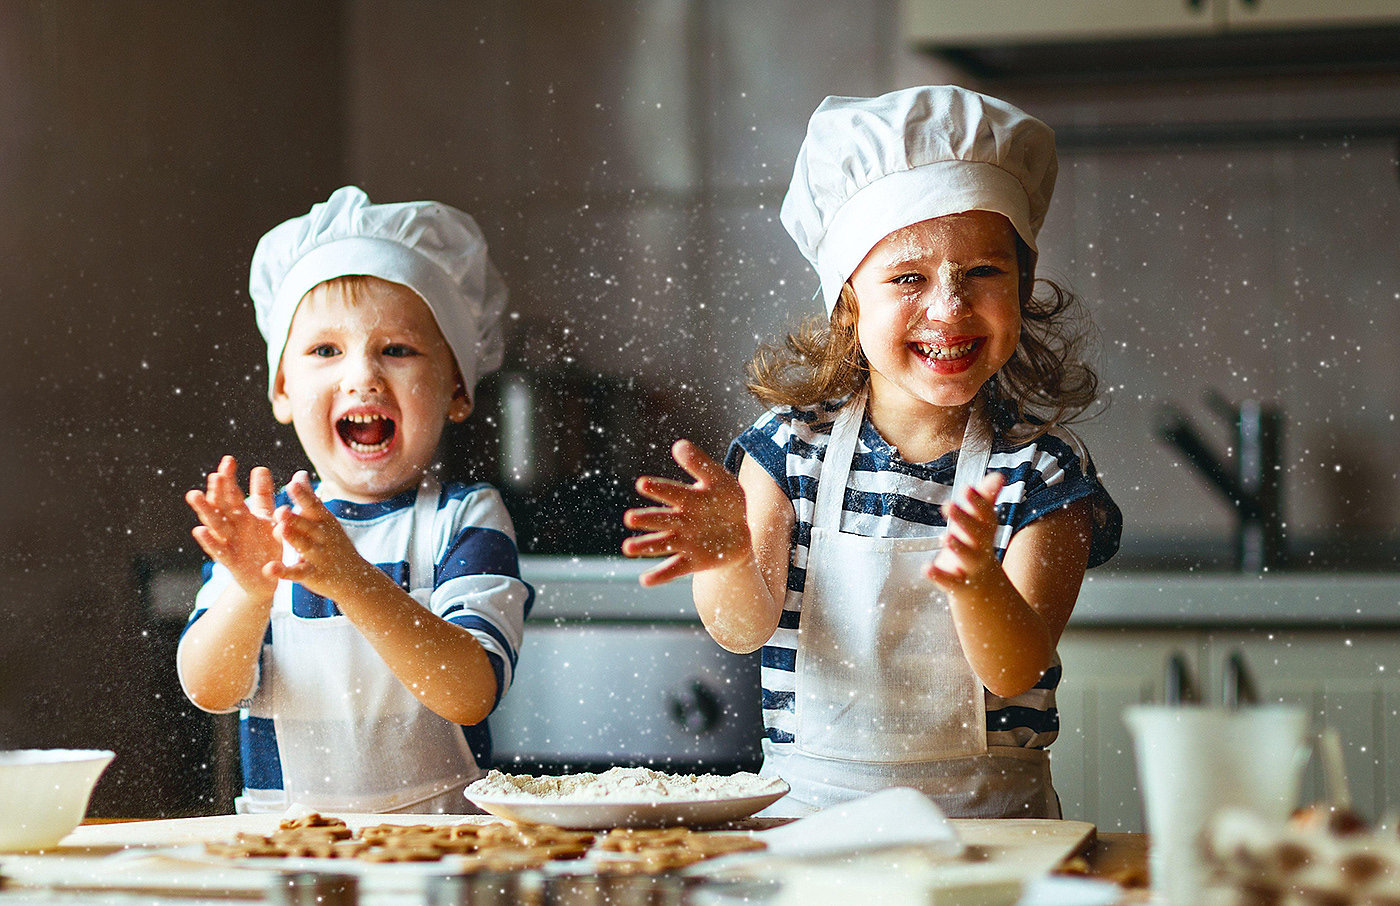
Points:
(366, 433)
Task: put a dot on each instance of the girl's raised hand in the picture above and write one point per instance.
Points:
(235, 532)
(327, 562)
(698, 526)
(969, 547)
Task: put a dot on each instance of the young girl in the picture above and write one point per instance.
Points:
(368, 625)
(911, 522)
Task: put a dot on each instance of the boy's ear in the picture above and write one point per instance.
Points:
(281, 403)
(461, 405)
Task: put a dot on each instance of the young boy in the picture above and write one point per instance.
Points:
(367, 625)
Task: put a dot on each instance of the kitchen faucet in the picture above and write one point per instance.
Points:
(1252, 486)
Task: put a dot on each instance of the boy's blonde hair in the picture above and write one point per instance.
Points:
(351, 288)
(1044, 384)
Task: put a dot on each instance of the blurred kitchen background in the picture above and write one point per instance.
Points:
(1228, 209)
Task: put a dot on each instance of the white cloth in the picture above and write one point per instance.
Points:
(435, 250)
(885, 695)
(332, 693)
(870, 166)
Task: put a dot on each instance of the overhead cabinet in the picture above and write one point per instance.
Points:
(964, 23)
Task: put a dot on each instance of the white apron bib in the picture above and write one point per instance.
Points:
(885, 695)
(350, 735)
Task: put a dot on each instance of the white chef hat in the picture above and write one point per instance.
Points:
(870, 166)
(435, 250)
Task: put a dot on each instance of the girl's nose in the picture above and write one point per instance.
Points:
(946, 303)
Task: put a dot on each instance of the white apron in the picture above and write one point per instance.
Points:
(885, 695)
(350, 735)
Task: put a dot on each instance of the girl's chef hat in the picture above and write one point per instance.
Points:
(435, 250)
(870, 166)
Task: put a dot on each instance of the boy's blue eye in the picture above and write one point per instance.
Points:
(324, 350)
(399, 351)
(903, 279)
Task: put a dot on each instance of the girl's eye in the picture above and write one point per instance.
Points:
(986, 270)
(399, 351)
(906, 279)
(324, 350)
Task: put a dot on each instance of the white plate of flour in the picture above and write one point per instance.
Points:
(625, 797)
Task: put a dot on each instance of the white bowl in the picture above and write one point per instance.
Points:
(44, 794)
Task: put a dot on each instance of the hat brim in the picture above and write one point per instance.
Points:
(387, 260)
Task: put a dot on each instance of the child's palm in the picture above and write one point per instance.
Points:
(698, 526)
(234, 531)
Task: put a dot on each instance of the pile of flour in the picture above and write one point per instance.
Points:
(622, 785)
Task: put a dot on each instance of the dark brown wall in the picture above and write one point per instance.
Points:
(146, 146)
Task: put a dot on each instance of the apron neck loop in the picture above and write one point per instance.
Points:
(845, 433)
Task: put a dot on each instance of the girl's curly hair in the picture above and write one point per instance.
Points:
(1045, 383)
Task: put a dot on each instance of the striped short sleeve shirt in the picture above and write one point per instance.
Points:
(476, 585)
(890, 498)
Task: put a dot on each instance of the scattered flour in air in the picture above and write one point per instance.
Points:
(622, 784)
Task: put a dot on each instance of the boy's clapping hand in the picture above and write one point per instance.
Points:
(697, 527)
(969, 547)
(327, 562)
(237, 532)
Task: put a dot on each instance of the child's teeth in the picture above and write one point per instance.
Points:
(946, 352)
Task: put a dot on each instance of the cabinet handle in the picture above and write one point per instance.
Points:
(697, 709)
(1236, 686)
(1179, 688)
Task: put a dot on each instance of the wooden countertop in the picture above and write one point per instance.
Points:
(1116, 857)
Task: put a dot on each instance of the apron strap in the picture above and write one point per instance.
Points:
(836, 463)
(976, 448)
(422, 564)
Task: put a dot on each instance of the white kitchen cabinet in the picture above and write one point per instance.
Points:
(954, 23)
(1105, 671)
(1349, 681)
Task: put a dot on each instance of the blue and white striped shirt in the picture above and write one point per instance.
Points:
(889, 498)
(476, 585)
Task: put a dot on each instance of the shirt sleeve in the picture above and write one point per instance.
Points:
(766, 441)
(1063, 473)
(478, 584)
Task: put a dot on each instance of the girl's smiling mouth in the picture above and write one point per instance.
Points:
(948, 356)
(366, 433)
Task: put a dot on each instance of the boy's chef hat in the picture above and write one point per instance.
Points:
(435, 250)
(870, 166)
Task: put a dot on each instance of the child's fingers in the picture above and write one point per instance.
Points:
(957, 547)
(292, 528)
(299, 489)
(223, 484)
(697, 462)
(673, 567)
(205, 511)
(656, 544)
(651, 518)
(663, 490)
(944, 578)
(961, 523)
(276, 569)
(260, 490)
(209, 542)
